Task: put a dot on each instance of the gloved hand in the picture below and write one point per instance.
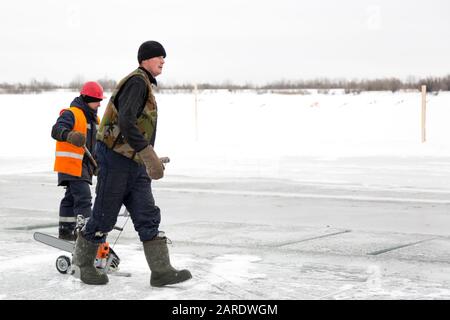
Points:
(153, 164)
(93, 171)
(76, 138)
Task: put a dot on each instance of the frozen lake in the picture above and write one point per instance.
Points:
(267, 196)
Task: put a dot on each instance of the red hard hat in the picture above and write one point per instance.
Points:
(92, 89)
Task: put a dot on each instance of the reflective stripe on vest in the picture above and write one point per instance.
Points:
(69, 158)
(69, 155)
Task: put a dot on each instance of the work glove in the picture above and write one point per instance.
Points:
(76, 138)
(153, 164)
(93, 171)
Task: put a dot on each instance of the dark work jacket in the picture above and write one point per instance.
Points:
(64, 124)
(130, 102)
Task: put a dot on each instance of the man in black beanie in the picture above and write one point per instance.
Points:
(150, 49)
(127, 165)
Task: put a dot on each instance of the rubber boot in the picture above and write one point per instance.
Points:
(83, 260)
(157, 255)
(66, 231)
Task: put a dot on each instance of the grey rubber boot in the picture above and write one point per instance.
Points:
(157, 255)
(83, 260)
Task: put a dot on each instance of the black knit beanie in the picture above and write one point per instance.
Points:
(150, 49)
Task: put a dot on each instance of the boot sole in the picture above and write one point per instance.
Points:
(93, 282)
(159, 284)
(76, 272)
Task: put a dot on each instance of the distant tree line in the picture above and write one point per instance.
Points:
(77, 83)
(434, 84)
(33, 86)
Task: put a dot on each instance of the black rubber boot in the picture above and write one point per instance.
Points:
(157, 255)
(83, 260)
(66, 231)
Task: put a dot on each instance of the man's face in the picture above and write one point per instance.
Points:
(94, 105)
(154, 65)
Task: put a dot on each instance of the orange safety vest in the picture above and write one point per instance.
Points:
(69, 158)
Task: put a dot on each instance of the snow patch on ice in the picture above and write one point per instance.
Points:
(18, 263)
(234, 268)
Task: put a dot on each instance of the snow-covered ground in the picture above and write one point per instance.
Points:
(267, 196)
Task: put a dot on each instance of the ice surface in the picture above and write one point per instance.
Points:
(267, 196)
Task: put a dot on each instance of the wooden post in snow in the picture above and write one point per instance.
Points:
(424, 111)
(196, 112)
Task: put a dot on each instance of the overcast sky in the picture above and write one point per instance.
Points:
(227, 40)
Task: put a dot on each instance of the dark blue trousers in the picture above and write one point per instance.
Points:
(121, 181)
(77, 201)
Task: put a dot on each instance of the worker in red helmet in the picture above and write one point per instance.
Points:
(74, 132)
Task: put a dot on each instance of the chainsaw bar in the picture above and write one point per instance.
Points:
(54, 242)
